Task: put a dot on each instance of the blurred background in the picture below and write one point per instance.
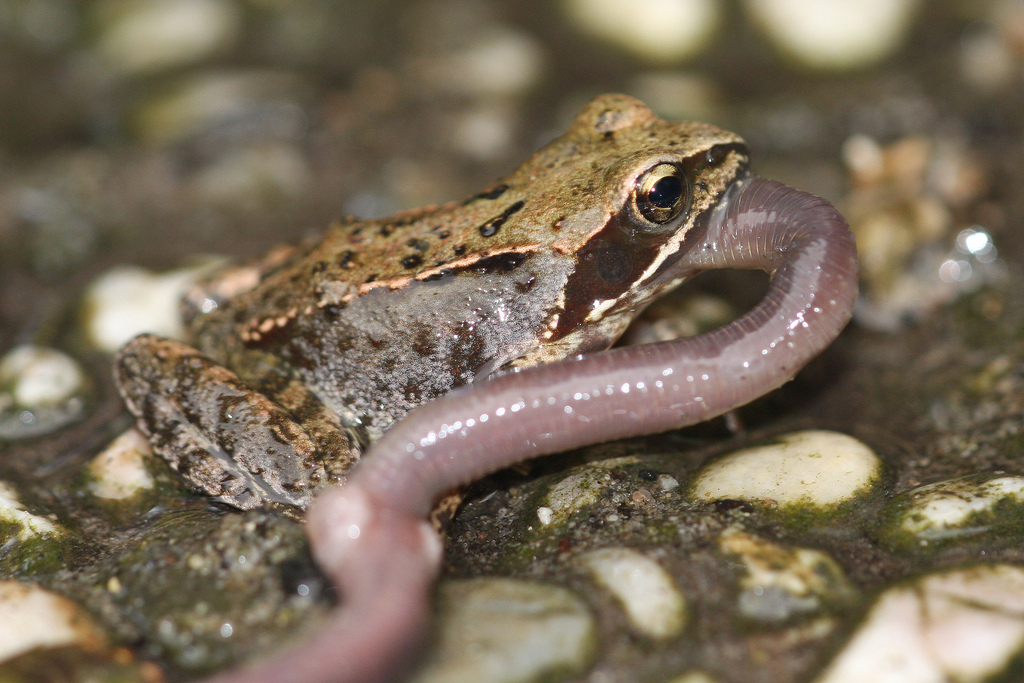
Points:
(153, 130)
(142, 141)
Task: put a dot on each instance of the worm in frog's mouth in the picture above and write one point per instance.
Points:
(371, 536)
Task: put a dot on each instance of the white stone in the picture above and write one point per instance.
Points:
(484, 132)
(583, 486)
(127, 300)
(40, 376)
(150, 35)
(545, 515)
(816, 469)
(29, 525)
(964, 625)
(662, 31)
(780, 582)
(499, 62)
(647, 593)
(694, 677)
(508, 631)
(255, 176)
(945, 508)
(835, 34)
(120, 471)
(208, 99)
(667, 482)
(31, 618)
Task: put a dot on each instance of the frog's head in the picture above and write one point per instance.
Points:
(632, 193)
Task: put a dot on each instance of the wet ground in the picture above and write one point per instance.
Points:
(124, 141)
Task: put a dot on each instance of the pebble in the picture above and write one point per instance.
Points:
(582, 488)
(127, 300)
(255, 176)
(31, 618)
(484, 132)
(781, 583)
(29, 526)
(964, 625)
(959, 507)
(41, 390)
(509, 631)
(120, 471)
(812, 469)
(694, 677)
(835, 34)
(500, 62)
(647, 593)
(250, 104)
(660, 31)
(143, 37)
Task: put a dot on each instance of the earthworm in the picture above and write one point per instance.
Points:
(372, 536)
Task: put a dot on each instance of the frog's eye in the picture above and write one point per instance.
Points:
(660, 194)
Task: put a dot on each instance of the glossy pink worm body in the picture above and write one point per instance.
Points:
(371, 536)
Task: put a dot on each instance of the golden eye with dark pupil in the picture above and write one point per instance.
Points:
(661, 193)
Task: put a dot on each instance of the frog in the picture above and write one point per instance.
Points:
(363, 375)
(297, 363)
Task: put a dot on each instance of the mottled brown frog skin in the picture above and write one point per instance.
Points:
(301, 361)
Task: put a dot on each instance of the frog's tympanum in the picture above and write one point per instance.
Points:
(411, 355)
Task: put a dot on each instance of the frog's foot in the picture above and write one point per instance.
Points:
(224, 438)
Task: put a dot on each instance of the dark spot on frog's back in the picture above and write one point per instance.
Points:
(490, 193)
(500, 263)
(413, 261)
(347, 259)
(491, 227)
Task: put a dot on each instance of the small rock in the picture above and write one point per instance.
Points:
(780, 583)
(509, 631)
(583, 487)
(959, 508)
(812, 469)
(29, 526)
(663, 31)
(41, 390)
(667, 482)
(31, 617)
(120, 471)
(965, 625)
(679, 96)
(499, 62)
(545, 515)
(141, 37)
(694, 677)
(254, 176)
(237, 104)
(835, 34)
(484, 132)
(647, 593)
(126, 301)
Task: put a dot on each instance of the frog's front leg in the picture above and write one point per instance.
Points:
(221, 435)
